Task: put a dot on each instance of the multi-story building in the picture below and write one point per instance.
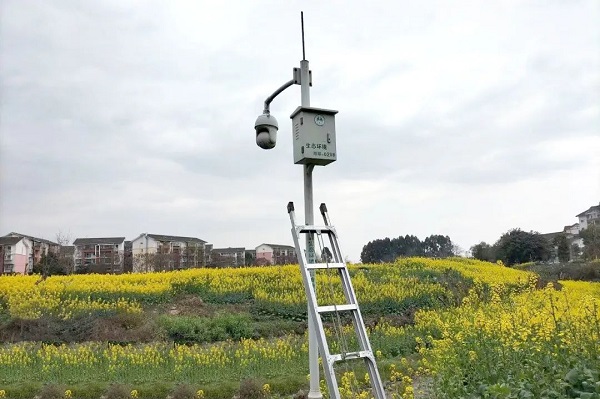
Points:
(571, 230)
(275, 254)
(13, 255)
(34, 248)
(589, 217)
(221, 257)
(99, 255)
(153, 252)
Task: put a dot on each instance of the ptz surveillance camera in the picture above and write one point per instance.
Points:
(266, 131)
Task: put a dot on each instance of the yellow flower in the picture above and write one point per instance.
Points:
(2, 393)
(134, 393)
(266, 389)
(200, 394)
(68, 394)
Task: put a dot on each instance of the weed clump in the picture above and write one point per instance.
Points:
(251, 389)
(184, 391)
(118, 391)
(52, 391)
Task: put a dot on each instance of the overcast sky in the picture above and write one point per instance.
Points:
(462, 118)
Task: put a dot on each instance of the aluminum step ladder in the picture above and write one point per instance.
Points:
(332, 259)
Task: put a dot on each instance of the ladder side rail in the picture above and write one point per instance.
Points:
(336, 246)
(325, 214)
(350, 296)
(326, 358)
(376, 384)
(357, 319)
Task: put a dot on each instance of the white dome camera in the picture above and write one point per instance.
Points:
(266, 131)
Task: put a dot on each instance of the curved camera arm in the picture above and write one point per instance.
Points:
(267, 110)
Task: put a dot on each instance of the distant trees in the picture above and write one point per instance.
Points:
(65, 252)
(284, 259)
(218, 260)
(387, 250)
(591, 242)
(563, 250)
(49, 265)
(156, 262)
(483, 251)
(575, 251)
(437, 246)
(516, 246)
(190, 255)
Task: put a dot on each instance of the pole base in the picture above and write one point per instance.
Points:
(315, 395)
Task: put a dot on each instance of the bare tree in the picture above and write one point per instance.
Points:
(193, 256)
(65, 252)
(63, 239)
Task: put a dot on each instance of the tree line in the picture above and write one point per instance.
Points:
(387, 250)
(513, 247)
(518, 246)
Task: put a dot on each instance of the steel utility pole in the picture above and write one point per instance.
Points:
(315, 148)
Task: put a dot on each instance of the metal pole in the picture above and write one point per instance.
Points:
(309, 219)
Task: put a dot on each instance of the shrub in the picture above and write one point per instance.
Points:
(189, 329)
(52, 391)
(118, 391)
(183, 391)
(300, 395)
(251, 389)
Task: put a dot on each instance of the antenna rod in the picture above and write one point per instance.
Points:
(302, 23)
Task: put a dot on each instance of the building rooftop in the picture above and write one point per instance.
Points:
(229, 250)
(100, 240)
(592, 208)
(163, 237)
(9, 240)
(279, 246)
(13, 234)
(551, 236)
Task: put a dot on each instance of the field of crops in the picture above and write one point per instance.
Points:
(441, 329)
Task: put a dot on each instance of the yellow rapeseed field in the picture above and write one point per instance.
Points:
(480, 329)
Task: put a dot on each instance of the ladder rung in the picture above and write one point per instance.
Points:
(335, 308)
(311, 266)
(350, 356)
(314, 229)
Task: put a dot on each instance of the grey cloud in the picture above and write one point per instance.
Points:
(118, 116)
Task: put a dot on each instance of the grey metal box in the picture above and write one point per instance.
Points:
(314, 135)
